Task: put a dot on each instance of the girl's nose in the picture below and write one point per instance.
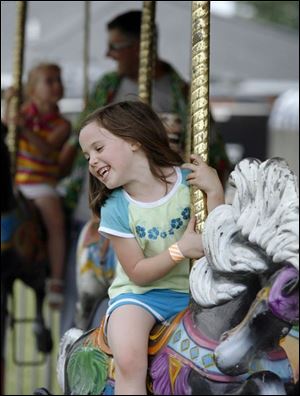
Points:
(93, 160)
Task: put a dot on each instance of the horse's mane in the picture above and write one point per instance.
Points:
(259, 229)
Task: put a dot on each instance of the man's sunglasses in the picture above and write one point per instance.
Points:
(119, 46)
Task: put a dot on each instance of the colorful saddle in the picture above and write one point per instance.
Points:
(174, 350)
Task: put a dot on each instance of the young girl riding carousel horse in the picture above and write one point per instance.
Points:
(43, 131)
(140, 189)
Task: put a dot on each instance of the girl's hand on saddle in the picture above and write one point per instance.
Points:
(206, 179)
(190, 243)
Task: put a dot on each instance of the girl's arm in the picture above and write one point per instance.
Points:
(55, 141)
(67, 155)
(59, 135)
(143, 271)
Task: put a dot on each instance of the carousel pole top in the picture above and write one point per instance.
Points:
(146, 51)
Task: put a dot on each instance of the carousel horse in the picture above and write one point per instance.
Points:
(244, 302)
(23, 250)
(95, 270)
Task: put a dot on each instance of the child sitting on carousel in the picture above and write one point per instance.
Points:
(43, 132)
(141, 188)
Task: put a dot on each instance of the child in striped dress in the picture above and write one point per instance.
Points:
(43, 133)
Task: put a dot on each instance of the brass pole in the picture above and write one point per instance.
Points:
(18, 61)
(188, 135)
(146, 51)
(200, 97)
(86, 39)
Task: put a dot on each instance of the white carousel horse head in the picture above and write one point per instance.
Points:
(259, 229)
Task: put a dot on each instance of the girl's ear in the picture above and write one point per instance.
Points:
(135, 146)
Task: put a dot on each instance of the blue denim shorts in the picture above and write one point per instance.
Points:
(163, 304)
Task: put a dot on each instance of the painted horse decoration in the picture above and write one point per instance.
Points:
(244, 303)
(23, 250)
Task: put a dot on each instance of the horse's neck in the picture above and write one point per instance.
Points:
(213, 322)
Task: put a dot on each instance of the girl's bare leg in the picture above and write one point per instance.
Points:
(53, 217)
(128, 334)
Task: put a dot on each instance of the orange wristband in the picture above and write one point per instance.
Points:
(175, 253)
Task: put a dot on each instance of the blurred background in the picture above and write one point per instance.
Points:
(254, 58)
(254, 87)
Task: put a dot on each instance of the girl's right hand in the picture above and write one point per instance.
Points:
(190, 243)
(8, 118)
(9, 93)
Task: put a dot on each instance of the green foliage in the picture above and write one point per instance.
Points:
(279, 12)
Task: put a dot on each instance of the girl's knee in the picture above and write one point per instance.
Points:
(129, 362)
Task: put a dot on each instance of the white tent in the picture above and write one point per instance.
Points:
(284, 128)
(240, 49)
(250, 63)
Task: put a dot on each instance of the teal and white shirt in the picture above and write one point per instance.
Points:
(155, 226)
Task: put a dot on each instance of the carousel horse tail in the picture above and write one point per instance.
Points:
(94, 364)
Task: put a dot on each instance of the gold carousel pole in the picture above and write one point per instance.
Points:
(146, 51)
(86, 39)
(200, 97)
(18, 60)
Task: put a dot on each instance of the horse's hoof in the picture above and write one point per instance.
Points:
(44, 341)
(41, 391)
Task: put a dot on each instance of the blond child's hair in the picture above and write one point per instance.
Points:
(34, 75)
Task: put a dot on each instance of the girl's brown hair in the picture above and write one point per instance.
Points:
(133, 121)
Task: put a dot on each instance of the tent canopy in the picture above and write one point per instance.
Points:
(241, 50)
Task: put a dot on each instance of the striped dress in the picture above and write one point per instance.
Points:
(33, 167)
